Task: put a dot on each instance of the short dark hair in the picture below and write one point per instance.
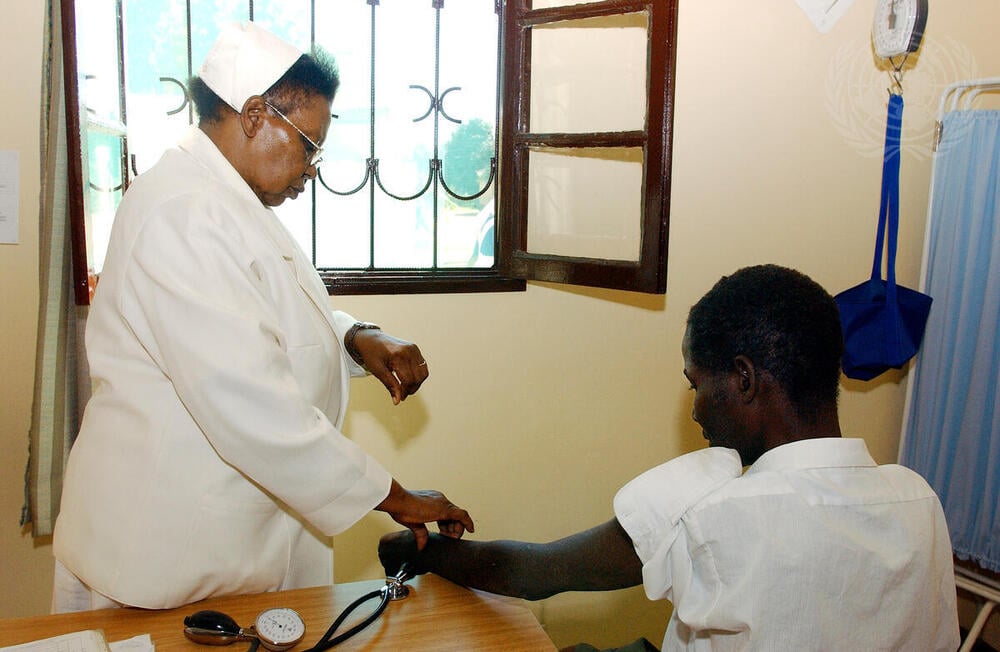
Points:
(780, 319)
(314, 74)
(311, 74)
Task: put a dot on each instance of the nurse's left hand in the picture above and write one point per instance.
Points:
(415, 508)
(398, 364)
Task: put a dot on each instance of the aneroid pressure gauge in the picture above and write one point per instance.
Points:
(280, 628)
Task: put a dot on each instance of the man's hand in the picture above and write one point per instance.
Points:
(415, 508)
(397, 363)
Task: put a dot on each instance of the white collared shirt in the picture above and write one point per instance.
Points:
(814, 547)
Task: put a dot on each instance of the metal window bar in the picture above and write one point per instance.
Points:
(435, 180)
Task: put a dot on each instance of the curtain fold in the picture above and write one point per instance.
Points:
(59, 364)
(953, 428)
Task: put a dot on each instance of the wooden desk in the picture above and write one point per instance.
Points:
(437, 615)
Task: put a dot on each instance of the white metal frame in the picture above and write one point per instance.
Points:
(984, 588)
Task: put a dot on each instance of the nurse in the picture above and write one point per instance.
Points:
(210, 460)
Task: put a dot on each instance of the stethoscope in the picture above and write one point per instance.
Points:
(281, 628)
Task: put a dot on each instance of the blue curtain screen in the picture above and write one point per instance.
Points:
(953, 426)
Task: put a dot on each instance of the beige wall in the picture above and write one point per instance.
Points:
(542, 404)
(25, 566)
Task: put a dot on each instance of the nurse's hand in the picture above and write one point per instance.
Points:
(415, 508)
(397, 363)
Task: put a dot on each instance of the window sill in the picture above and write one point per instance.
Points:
(422, 282)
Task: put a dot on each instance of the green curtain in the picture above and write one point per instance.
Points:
(60, 366)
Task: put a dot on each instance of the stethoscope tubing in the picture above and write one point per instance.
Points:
(326, 642)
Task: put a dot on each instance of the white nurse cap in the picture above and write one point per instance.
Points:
(246, 60)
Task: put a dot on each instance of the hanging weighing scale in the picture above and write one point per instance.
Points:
(883, 322)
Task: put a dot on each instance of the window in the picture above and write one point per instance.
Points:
(420, 191)
(585, 142)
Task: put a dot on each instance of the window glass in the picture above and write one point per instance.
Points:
(576, 89)
(585, 203)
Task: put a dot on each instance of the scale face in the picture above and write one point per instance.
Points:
(898, 26)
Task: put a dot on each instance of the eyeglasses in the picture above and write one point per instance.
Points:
(314, 153)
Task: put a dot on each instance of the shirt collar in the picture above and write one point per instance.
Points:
(197, 143)
(824, 452)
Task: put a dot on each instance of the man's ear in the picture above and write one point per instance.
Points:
(747, 377)
(252, 115)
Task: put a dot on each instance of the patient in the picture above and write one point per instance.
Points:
(813, 547)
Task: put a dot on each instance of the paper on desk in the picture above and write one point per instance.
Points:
(141, 643)
(91, 640)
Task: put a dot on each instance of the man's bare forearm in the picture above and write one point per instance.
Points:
(598, 559)
(514, 568)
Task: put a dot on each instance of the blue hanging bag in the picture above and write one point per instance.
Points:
(883, 322)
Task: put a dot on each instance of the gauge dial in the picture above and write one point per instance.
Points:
(280, 628)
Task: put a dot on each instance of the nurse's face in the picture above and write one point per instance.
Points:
(284, 157)
(719, 407)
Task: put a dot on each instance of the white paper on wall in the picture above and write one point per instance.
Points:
(8, 196)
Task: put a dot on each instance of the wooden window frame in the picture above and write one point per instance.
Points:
(655, 139)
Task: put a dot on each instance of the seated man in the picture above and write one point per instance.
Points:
(813, 547)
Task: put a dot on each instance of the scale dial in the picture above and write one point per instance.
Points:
(279, 628)
(898, 26)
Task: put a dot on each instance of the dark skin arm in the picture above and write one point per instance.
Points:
(599, 559)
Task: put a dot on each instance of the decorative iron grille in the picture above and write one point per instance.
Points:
(410, 174)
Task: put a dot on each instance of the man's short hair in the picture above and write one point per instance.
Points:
(780, 319)
(311, 74)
